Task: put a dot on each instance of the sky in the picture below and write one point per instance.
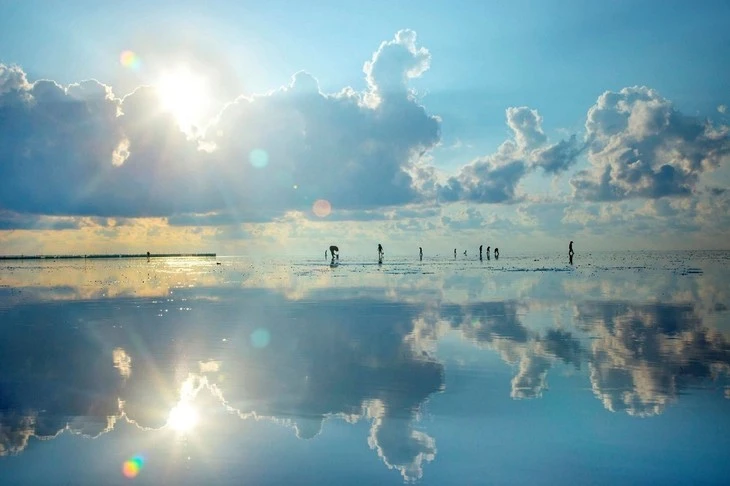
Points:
(273, 127)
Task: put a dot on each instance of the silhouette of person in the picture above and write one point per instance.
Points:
(420, 252)
(380, 253)
(148, 256)
(454, 253)
(464, 252)
(570, 252)
(496, 253)
(325, 254)
(488, 252)
(480, 252)
(335, 252)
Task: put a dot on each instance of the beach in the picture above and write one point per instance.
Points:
(234, 370)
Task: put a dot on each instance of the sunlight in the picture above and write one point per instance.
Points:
(185, 95)
(183, 417)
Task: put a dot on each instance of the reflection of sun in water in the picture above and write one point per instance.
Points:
(183, 417)
(185, 95)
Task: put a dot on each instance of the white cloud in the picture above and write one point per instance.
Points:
(640, 146)
(494, 178)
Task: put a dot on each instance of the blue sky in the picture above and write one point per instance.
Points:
(421, 148)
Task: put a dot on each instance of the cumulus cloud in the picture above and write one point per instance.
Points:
(640, 146)
(494, 178)
(79, 150)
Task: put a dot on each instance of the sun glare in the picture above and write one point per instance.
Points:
(185, 95)
(183, 417)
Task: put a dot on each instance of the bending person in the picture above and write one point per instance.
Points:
(335, 252)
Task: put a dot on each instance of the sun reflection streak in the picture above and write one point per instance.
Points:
(184, 416)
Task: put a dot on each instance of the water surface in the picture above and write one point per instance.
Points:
(525, 369)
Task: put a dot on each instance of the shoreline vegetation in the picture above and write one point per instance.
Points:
(105, 256)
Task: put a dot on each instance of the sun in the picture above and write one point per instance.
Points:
(185, 95)
(183, 417)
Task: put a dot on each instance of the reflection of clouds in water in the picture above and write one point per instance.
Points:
(363, 353)
(103, 363)
(15, 431)
(645, 354)
(122, 362)
(399, 445)
(347, 356)
(640, 356)
(532, 377)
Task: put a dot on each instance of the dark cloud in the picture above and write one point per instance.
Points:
(640, 146)
(12, 220)
(485, 182)
(558, 157)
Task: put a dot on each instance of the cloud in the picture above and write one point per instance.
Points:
(494, 178)
(527, 127)
(558, 157)
(393, 64)
(640, 146)
(12, 220)
(471, 218)
(79, 150)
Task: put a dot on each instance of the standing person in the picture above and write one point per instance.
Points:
(420, 252)
(496, 253)
(454, 253)
(480, 252)
(570, 252)
(325, 254)
(464, 252)
(380, 253)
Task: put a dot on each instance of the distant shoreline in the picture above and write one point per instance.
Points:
(105, 256)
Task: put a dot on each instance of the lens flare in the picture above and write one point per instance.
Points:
(259, 158)
(130, 60)
(322, 208)
(132, 467)
(260, 338)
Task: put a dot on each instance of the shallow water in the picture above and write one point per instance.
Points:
(525, 369)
